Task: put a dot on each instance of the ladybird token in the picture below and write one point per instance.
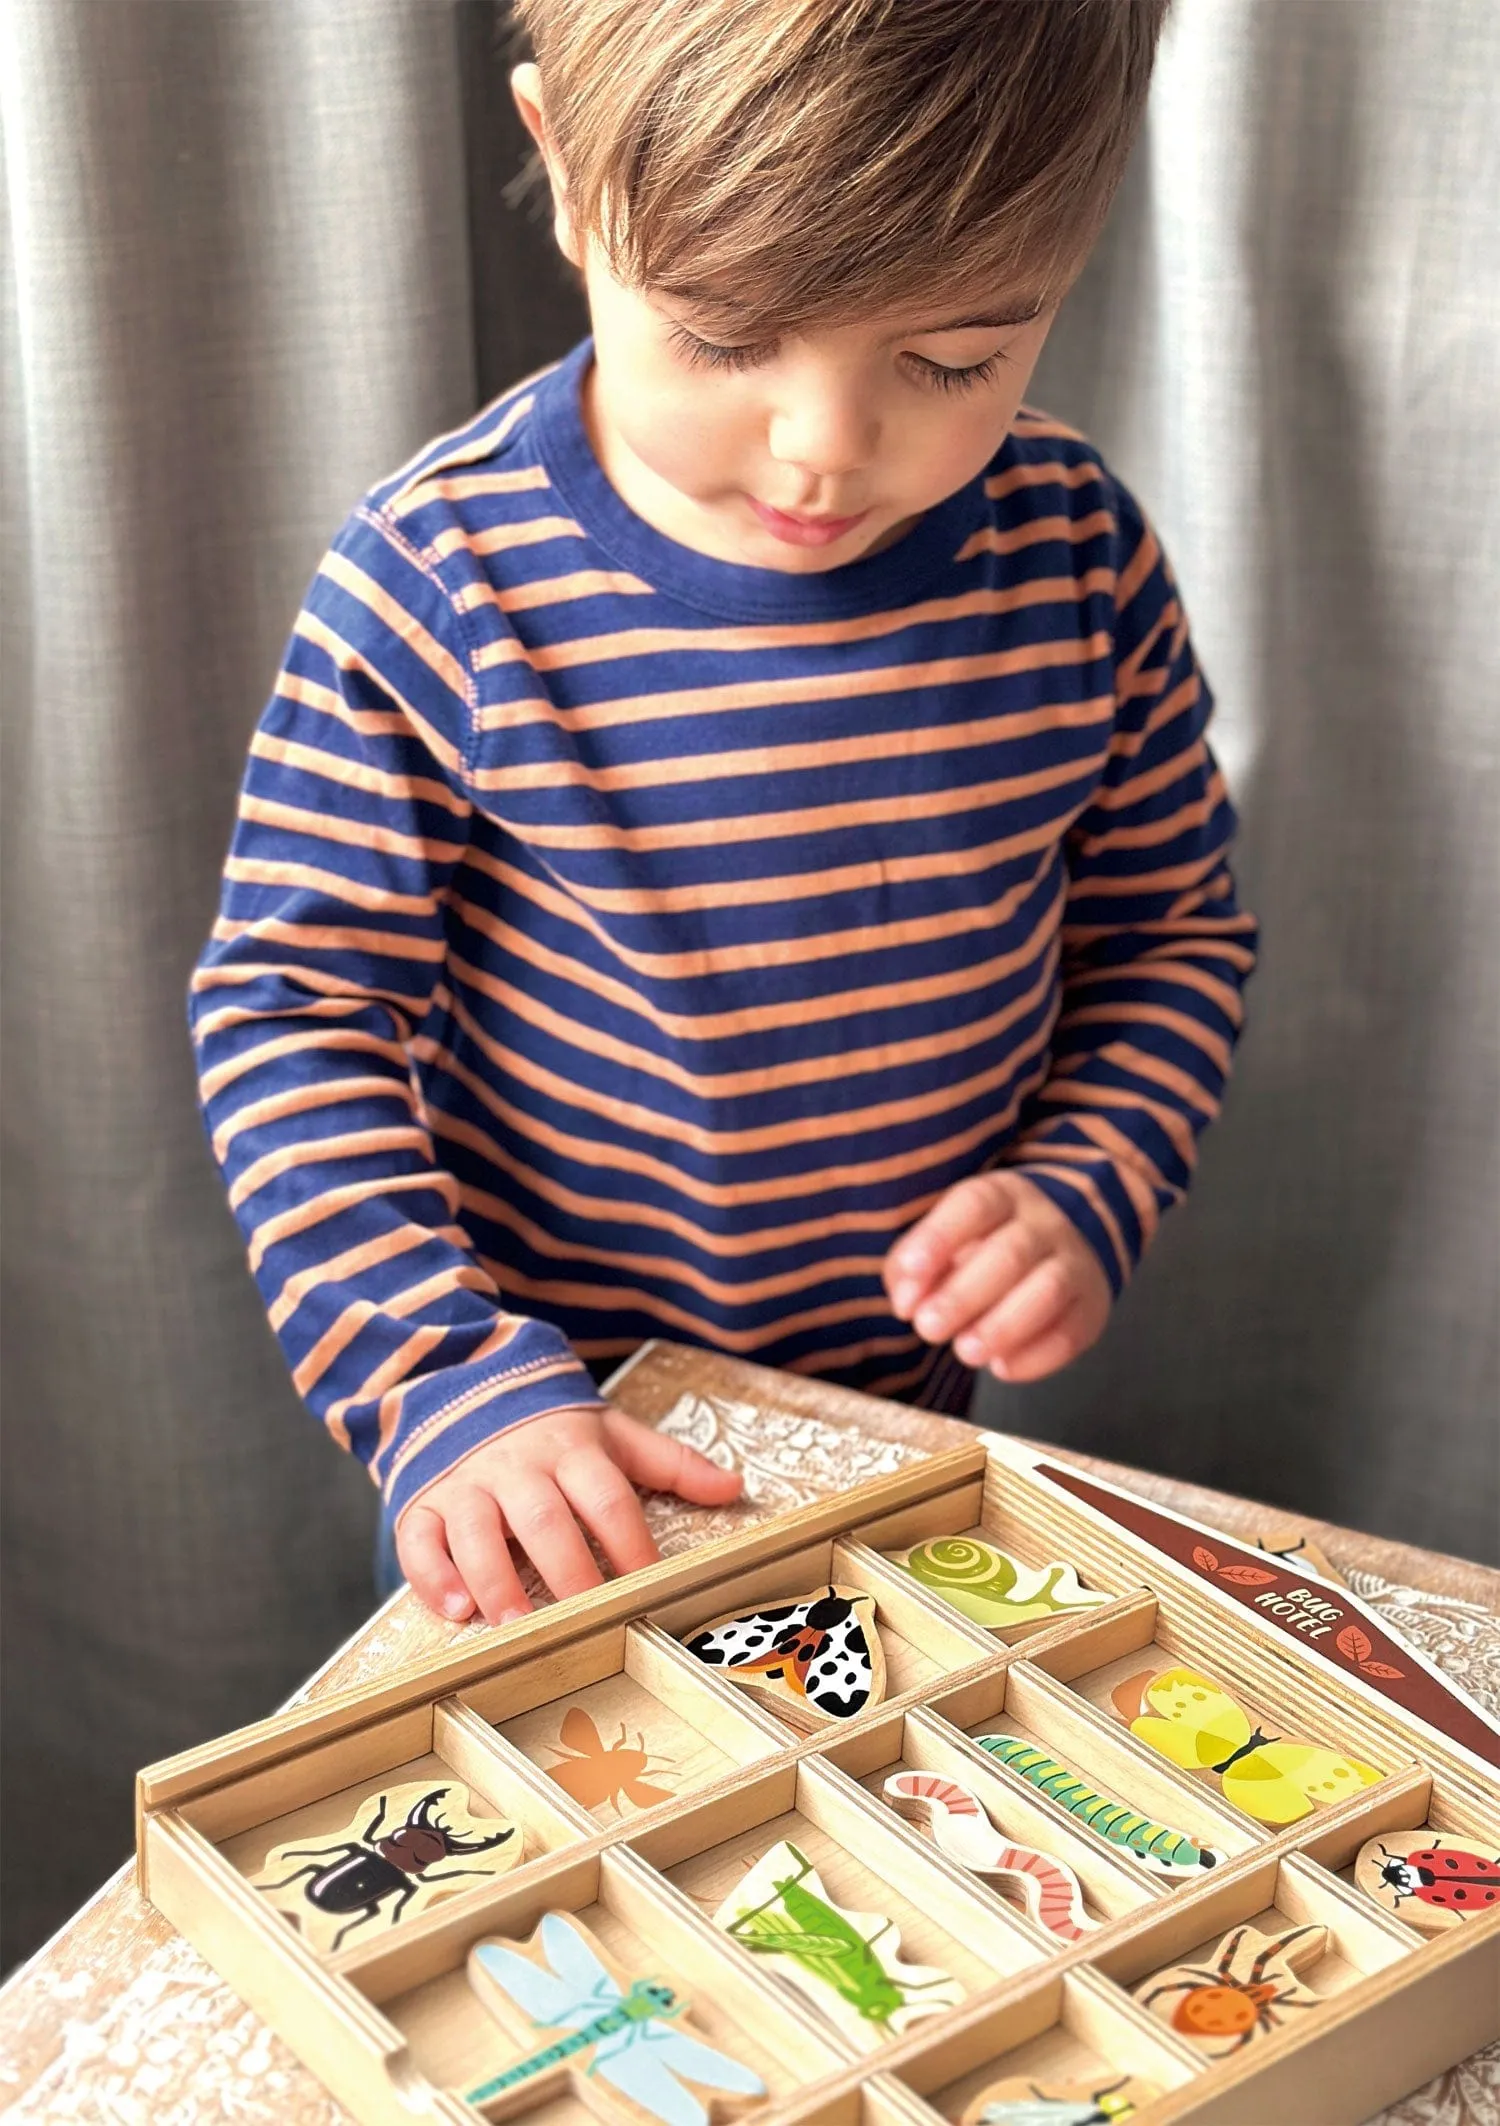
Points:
(403, 1849)
(1431, 1879)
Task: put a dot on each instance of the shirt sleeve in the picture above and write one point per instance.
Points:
(325, 958)
(1155, 947)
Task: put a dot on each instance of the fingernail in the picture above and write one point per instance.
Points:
(970, 1349)
(1000, 1369)
(509, 1616)
(904, 1297)
(930, 1322)
(456, 1605)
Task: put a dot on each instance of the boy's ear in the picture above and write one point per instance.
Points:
(526, 88)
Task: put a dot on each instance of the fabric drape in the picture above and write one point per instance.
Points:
(258, 254)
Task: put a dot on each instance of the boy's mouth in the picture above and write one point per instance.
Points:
(804, 531)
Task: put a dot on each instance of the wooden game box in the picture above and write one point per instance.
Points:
(394, 2025)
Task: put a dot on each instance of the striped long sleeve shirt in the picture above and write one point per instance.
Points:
(617, 941)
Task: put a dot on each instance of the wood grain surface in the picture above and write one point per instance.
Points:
(117, 2017)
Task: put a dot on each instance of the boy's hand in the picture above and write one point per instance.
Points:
(996, 1269)
(536, 1483)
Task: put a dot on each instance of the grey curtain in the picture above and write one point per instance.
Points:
(257, 253)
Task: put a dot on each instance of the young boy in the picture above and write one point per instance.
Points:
(649, 914)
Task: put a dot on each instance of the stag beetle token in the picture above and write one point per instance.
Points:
(1431, 1881)
(342, 1884)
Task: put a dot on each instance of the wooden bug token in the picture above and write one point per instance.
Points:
(1098, 2101)
(1243, 1995)
(1431, 1879)
(847, 1963)
(401, 1850)
(984, 1582)
(563, 2001)
(815, 1661)
(1195, 1721)
(961, 1827)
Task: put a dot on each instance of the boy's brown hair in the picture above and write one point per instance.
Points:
(789, 164)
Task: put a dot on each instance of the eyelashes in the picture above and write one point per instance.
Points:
(705, 354)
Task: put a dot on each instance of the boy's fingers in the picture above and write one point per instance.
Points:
(603, 1497)
(542, 1522)
(660, 1464)
(476, 1537)
(988, 1272)
(1027, 1309)
(1060, 1343)
(966, 1213)
(423, 1556)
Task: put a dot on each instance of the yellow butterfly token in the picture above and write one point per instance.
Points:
(1193, 1721)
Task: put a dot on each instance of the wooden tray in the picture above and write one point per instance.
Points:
(392, 2026)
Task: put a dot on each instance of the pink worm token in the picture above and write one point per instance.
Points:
(960, 1828)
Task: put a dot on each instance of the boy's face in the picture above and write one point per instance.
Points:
(848, 422)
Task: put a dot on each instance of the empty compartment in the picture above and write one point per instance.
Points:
(591, 1932)
(622, 1721)
(1240, 1967)
(935, 1778)
(1069, 2041)
(767, 1863)
(786, 1636)
(1151, 1821)
(355, 1836)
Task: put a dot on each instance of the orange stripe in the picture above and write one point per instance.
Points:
(315, 1151)
(358, 833)
(639, 642)
(812, 819)
(341, 1333)
(805, 1129)
(398, 620)
(233, 1067)
(1223, 994)
(345, 658)
(321, 937)
(711, 1088)
(260, 871)
(1137, 569)
(348, 774)
(814, 1010)
(1073, 1093)
(1156, 831)
(332, 1201)
(1141, 1063)
(328, 701)
(1142, 1014)
(433, 1428)
(363, 1256)
(299, 1099)
(600, 1152)
(903, 743)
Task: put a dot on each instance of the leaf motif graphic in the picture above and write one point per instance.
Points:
(1382, 1669)
(1354, 1644)
(1204, 1559)
(1246, 1575)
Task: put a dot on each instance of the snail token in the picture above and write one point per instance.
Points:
(984, 1582)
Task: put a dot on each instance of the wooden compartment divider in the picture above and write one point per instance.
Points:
(392, 2028)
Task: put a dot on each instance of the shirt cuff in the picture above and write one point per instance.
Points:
(444, 1418)
(1094, 1197)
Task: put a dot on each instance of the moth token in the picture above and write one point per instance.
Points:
(815, 1660)
(1431, 1879)
(987, 1584)
(1019, 2102)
